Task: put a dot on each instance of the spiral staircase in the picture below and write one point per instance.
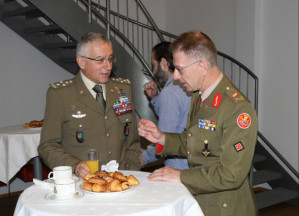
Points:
(54, 27)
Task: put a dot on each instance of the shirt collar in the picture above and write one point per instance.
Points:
(209, 90)
(169, 80)
(90, 84)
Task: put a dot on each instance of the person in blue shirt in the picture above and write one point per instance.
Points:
(171, 104)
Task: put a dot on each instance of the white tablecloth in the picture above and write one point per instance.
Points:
(17, 146)
(149, 198)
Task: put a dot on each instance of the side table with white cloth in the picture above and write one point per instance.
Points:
(149, 198)
(17, 146)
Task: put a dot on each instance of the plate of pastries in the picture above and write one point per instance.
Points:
(34, 124)
(103, 182)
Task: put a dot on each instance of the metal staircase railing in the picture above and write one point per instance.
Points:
(135, 29)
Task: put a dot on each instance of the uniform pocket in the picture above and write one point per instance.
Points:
(125, 118)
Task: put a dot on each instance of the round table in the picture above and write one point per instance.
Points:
(17, 146)
(149, 198)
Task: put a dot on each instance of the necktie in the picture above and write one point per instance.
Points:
(195, 110)
(98, 89)
(198, 103)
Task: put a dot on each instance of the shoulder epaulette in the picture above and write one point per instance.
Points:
(61, 84)
(121, 80)
(234, 94)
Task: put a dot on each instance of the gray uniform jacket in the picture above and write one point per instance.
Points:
(72, 112)
(228, 123)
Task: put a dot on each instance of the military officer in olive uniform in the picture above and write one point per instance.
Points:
(78, 117)
(220, 135)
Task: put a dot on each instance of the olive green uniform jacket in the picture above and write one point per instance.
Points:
(70, 108)
(220, 182)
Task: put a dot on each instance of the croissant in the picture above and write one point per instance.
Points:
(87, 186)
(132, 180)
(34, 124)
(103, 181)
(97, 180)
(120, 176)
(114, 186)
(125, 185)
(99, 188)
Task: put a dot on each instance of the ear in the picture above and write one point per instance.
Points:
(81, 62)
(164, 64)
(204, 65)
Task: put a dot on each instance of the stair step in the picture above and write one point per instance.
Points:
(258, 158)
(23, 11)
(263, 176)
(60, 45)
(274, 196)
(47, 29)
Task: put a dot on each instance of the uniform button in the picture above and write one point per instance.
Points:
(227, 88)
(106, 117)
(189, 135)
(188, 152)
(224, 205)
(109, 153)
(107, 134)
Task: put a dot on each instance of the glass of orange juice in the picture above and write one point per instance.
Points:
(93, 161)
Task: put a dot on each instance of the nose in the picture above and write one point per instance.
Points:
(176, 74)
(108, 65)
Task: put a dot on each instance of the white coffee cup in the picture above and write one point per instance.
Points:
(61, 172)
(64, 188)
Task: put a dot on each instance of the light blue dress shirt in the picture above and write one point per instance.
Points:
(172, 107)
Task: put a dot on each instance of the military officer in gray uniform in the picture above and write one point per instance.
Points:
(75, 121)
(220, 135)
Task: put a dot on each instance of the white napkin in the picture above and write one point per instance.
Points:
(111, 166)
(42, 183)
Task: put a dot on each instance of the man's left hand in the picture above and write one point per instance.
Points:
(168, 174)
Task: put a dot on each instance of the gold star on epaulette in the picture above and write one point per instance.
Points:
(120, 80)
(61, 84)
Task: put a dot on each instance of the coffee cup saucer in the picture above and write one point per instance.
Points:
(52, 197)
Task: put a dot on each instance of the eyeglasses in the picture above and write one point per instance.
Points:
(180, 70)
(100, 60)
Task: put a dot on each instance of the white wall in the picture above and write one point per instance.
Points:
(214, 17)
(25, 74)
(263, 35)
(278, 52)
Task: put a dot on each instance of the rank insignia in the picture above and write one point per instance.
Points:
(216, 100)
(244, 121)
(234, 95)
(239, 147)
(207, 124)
(80, 135)
(122, 105)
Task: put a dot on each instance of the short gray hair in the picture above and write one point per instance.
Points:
(85, 40)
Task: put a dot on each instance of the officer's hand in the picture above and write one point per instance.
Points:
(150, 131)
(142, 162)
(151, 89)
(165, 174)
(81, 169)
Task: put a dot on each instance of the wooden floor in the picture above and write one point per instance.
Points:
(7, 206)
